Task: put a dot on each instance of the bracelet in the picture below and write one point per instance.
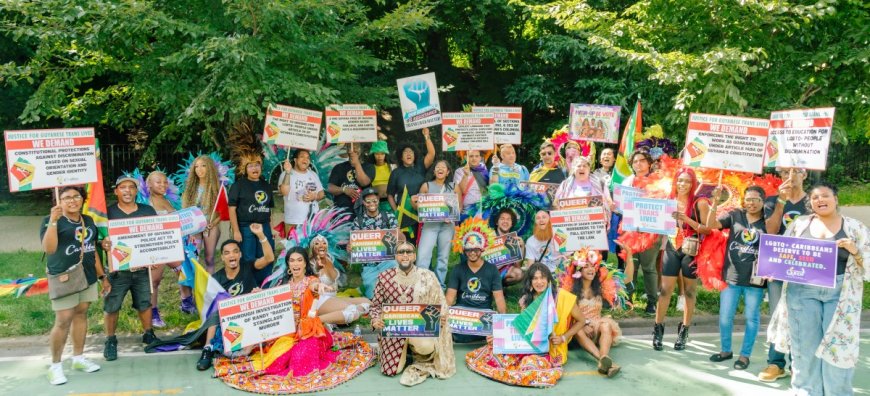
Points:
(51, 225)
(780, 201)
(263, 240)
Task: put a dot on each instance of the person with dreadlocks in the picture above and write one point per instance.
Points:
(250, 201)
(201, 190)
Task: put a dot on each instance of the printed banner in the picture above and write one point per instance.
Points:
(292, 127)
(373, 246)
(592, 201)
(548, 189)
(651, 215)
(506, 340)
(595, 123)
(192, 221)
(411, 320)
(505, 250)
(351, 123)
(508, 123)
(47, 158)
(254, 318)
(799, 138)
(434, 208)
(418, 96)
(574, 229)
(805, 261)
(470, 321)
(623, 196)
(467, 131)
(726, 142)
(142, 241)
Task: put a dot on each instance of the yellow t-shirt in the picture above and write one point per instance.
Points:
(382, 175)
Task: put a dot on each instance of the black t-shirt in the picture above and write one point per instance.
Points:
(553, 176)
(474, 290)
(413, 177)
(842, 253)
(243, 283)
(142, 210)
(790, 211)
(742, 248)
(253, 201)
(69, 246)
(344, 175)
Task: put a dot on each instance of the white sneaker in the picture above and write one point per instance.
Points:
(681, 304)
(85, 365)
(55, 375)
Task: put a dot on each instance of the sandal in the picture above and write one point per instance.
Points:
(721, 356)
(604, 364)
(613, 371)
(742, 363)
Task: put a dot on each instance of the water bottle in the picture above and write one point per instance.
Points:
(357, 331)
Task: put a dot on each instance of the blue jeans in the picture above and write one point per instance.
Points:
(774, 292)
(810, 312)
(252, 249)
(728, 300)
(434, 235)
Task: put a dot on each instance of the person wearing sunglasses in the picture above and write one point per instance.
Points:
(475, 284)
(372, 218)
(548, 171)
(250, 201)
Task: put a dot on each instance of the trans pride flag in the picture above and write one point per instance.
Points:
(537, 321)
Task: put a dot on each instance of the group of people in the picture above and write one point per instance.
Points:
(816, 327)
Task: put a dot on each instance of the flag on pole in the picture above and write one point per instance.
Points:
(537, 321)
(221, 204)
(95, 205)
(633, 127)
(406, 209)
(206, 290)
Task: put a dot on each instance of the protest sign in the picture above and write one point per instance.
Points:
(506, 339)
(434, 208)
(254, 318)
(470, 321)
(47, 158)
(595, 123)
(467, 131)
(508, 123)
(799, 138)
(591, 201)
(623, 196)
(651, 215)
(799, 260)
(411, 320)
(505, 250)
(574, 229)
(726, 142)
(192, 221)
(143, 241)
(546, 189)
(351, 123)
(292, 127)
(418, 96)
(373, 246)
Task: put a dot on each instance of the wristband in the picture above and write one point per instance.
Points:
(780, 201)
(264, 240)
(51, 225)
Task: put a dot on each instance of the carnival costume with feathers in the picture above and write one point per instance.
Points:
(654, 142)
(524, 203)
(225, 169)
(612, 279)
(473, 229)
(143, 194)
(657, 185)
(322, 160)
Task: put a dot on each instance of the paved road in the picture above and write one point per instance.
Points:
(655, 373)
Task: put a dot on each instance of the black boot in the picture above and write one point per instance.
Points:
(658, 333)
(682, 337)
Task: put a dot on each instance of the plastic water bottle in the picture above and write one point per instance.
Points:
(357, 331)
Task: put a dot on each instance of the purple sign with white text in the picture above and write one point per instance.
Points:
(799, 260)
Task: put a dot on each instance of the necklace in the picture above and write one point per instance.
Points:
(79, 222)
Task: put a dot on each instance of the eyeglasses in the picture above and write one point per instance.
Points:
(71, 199)
(404, 251)
(752, 200)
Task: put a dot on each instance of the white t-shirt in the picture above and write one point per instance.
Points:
(534, 249)
(295, 210)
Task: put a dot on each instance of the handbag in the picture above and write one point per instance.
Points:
(691, 243)
(69, 282)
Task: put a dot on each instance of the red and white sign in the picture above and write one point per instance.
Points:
(508, 123)
(144, 241)
(47, 158)
(353, 123)
(292, 127)
(726, 142)
(254, 318)
(574, 229)
(467, 131)
(799, 138)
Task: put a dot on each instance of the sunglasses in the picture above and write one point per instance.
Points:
(404, 251)
(473, 250)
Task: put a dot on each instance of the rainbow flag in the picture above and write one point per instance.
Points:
(95, 205)
(633, 127)
(207, 292)
(537, 321)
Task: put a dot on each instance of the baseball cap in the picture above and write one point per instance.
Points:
(367, 192)
(124, 178)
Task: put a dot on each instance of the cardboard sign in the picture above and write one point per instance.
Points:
(799, 138)
(547, 189)
(292, 127)
(373, 246)
(592, 201)
(467, 131)
(726, 142)
(574, 229)
(505, 250)
(805, 261)
(192, 221)
(143, 241)
(651, 215)
(351, 123)
(418, 96)
(254, 318)
(595, 123)
(508, 123)
(470, 321)
(435, 208)
(623, 195)
(47, 158)
(506, 339)
(411, 320)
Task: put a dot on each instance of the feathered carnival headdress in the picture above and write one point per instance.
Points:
(524, 203)
(245, 149)
(562, 141)
(473, 231)
(224, 168)
(654, 142)
(322, 160)
(143, 195)
(612, 280)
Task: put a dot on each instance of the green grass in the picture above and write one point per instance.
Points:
(855, 194)
(27, 203)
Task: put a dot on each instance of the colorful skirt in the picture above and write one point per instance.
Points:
(261, 372)
(538, 371)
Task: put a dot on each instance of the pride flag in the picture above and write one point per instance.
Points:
(537, 321)
(633, 127)
(206, 290)
(95, 205)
